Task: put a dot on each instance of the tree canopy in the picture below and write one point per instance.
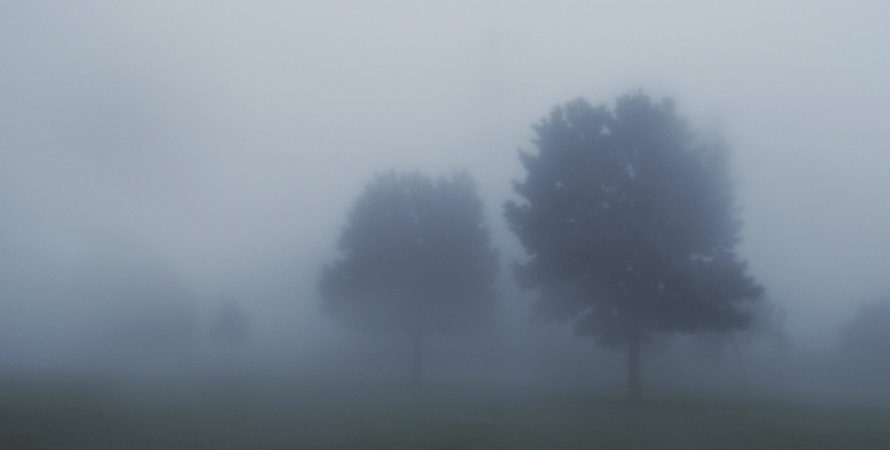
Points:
(630, 223)
(416, 258)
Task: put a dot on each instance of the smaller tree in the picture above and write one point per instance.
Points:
(416, 260)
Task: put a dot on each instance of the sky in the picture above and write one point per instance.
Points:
(226, 141)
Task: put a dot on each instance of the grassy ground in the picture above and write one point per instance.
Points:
(391, 418)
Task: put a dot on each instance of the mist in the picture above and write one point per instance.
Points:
(174, 177)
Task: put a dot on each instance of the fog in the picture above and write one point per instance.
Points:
(161, 159)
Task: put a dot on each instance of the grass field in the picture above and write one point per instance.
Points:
(392, 418)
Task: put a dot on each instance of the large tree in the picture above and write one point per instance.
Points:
(631, 224)
(416, 258)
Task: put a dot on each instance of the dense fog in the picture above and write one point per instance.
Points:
(175, 176)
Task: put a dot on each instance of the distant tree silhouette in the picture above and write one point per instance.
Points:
(144, 307)
(230, 325)
(416, 259)
(631, 224)
(147, 320)
(864, 342)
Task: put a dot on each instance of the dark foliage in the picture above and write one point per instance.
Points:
(630, 224)
(416, 259)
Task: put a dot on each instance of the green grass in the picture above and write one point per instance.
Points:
(391, 418)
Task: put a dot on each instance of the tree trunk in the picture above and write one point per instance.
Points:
(742, 371)
(416, 360)
(634, 393)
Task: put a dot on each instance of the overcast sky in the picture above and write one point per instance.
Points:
(230, 139)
